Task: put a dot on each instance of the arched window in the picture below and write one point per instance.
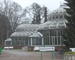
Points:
(61, 16)
(53, 17)
(56, 16)
(49, 18)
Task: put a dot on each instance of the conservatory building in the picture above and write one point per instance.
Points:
(45, 34)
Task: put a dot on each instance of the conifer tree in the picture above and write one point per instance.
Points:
(70, 25)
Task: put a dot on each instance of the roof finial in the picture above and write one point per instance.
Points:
(61, 3)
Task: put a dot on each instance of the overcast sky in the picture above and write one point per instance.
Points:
(51, 4)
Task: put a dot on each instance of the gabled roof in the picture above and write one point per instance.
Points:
(9, 39)
(38, 34)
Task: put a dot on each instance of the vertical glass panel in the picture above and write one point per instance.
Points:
(53, 16)
(17, 42)
(22, 42)
(13, 42)
(37, 40)
(46, 33)
(33, 41)
(56, 16)
(40, 41)
(46, 41)
(58, 40)
(26, 42)
(59, 32)
(50, 40)
(49, 18)
(55, 40)
(8, 43)
(61, 16)
(53, 32)
(29, 42)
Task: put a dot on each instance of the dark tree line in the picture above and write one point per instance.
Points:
(3, 28)
(69, 32)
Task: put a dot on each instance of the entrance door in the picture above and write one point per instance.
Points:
(53, 40)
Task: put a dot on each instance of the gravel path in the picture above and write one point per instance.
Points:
(23, 55)
(15, 52)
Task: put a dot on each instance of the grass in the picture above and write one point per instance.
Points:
(33, 50)
(15, 49)
(30, 50)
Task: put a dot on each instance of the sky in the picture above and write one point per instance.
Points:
(50, 4)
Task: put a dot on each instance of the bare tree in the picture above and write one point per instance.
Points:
(13, 11)
(36, 13)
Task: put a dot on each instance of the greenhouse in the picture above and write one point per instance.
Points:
(45, 34)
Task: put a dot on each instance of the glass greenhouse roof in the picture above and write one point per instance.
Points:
(9, 39)
(56, 20)
(22, 34)
(29, 29)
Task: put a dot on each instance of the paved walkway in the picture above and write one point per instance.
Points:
(23, 55)
(15, 52)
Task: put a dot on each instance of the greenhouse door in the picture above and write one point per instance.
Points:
(53, 40)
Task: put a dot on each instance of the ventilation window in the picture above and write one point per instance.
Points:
(61, 16)
(56, 16)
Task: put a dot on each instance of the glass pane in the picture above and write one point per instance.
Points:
(50, 40)
(40, 41)
(33, 41)
(55, 40)
(59, 32)
(58, 40)
(46, 41)
(8, 43)
(53, 33)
